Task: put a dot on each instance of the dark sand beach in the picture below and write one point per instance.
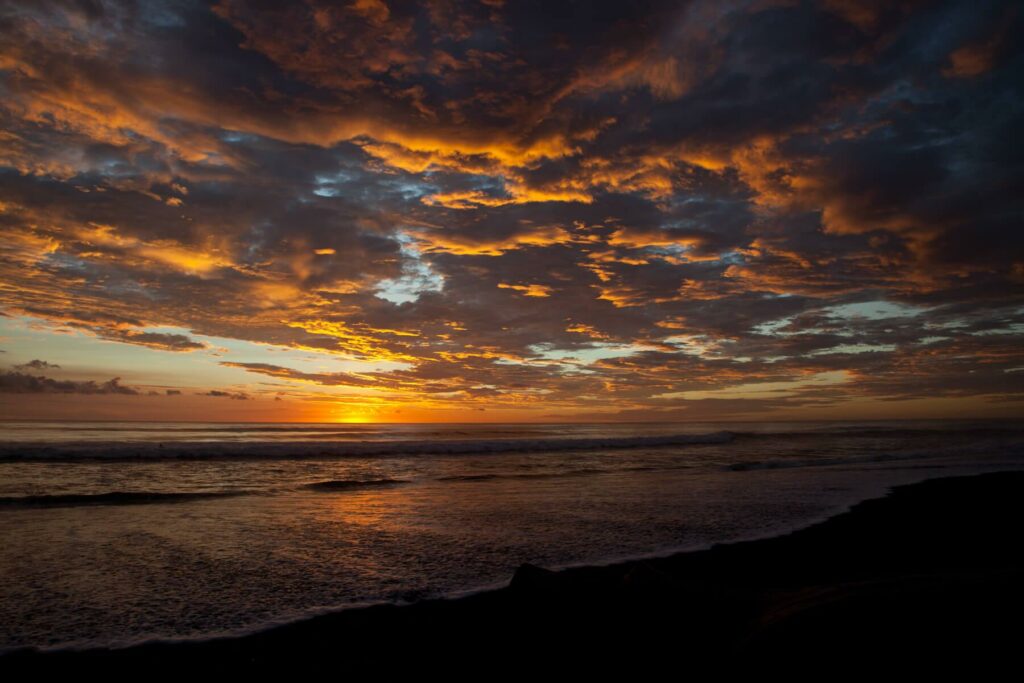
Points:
(929, 575)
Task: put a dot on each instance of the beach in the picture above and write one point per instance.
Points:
(931, 572)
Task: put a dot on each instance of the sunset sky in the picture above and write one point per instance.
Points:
(491, 211)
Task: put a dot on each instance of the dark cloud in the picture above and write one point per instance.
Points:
(21, 383)
(157, 340)
(584, 206)
(329, 379)
(237, 396)
(37, 365)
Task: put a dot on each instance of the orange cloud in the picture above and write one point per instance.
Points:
(360, 340)
(980, 56)
(533, 290)
(466, 245)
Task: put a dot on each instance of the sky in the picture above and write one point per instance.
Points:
(511, 211)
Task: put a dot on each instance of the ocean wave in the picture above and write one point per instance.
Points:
(349, 484)
(877, 432)
(111, 498)
(296, 427)
(934, 454)
(476, 477)
(532, 475)
(314, 449)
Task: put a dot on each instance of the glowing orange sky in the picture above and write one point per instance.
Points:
(490, 211)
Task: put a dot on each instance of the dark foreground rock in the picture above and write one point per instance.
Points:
(931, 576)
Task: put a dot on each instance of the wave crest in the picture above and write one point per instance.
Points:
(350, 484)
(111, 498)
(313, 450)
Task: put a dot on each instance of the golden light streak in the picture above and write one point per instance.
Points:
(533, 290)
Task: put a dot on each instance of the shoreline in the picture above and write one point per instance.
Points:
(911, 555)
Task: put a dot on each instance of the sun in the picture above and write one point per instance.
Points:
(348, 415)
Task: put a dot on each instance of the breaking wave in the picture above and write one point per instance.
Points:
(110, 498)
(350, 484)
(313, 450)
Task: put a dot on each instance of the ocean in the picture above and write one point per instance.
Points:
(120, 533)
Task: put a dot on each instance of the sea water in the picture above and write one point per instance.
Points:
(117, 533)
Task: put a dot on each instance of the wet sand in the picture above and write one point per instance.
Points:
(931, 575)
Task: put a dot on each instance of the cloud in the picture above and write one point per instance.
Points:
(511, 205)
(21, 383)
(236, 395)
(329, 379)
(981, 54)
(528, 290)
(158, 340)
(37, 365)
